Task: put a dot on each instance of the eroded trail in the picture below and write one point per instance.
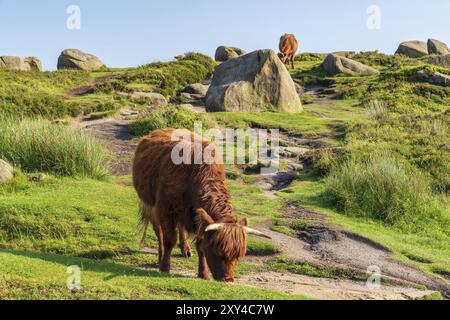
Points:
(319, 243)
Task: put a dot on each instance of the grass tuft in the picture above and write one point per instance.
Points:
(36, 145)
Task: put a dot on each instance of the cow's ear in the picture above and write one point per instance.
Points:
(203, 218)
(244, 222)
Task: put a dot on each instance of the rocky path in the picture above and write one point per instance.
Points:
(320, 244)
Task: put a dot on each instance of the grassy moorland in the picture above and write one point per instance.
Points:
(382, 170)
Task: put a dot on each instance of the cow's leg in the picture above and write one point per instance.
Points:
(203, 270)
(184, 244)
(159, 235)
(169, 242)
(292, 61)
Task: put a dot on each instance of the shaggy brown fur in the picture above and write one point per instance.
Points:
(188, 197)
(288, 48)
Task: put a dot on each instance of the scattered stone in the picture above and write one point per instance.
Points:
(294, 151)
(335, 64)
(441, 61)
(79, 60)
(224, 53)
(155, 99)
(436, 78)
(6, 172)
(20, 64)
(437, 47)
(197, 88)
(254, 82)
(413, 49)
(297, 167)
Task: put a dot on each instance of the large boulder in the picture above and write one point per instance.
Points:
(441, 61)
(6, 171)
(254, 82)
(79, 60)
(336, 64)
(437, 47)
(413, 49)
(224, 53)
(20, 64)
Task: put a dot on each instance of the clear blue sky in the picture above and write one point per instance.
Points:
(134, 32)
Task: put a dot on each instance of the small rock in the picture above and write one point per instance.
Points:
(37, 178)
(297, 167)
(224, 53)
(154, 99)
(6, 172)
(197, 88)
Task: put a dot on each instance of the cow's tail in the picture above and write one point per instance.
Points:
(145, 216)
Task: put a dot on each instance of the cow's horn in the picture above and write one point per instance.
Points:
(214, 227)
(256, 233)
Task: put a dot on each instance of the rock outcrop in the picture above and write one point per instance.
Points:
(336, 64)
(254, 82)
(441, 61)
(436, 78)
(413, 49)
(6, 171)
(224, 53)
(437, 47)
(79, 60)
(20, 64)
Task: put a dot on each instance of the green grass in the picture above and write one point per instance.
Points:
(36, 145)
(37, 276)
(49, 225)
(317, 121)
(39, 93)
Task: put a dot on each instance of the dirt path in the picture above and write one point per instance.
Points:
(319, 244)
(118, 137)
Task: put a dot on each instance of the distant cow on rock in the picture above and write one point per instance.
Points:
(288, 48)
(192, 198)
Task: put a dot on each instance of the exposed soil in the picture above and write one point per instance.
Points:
(118, 137)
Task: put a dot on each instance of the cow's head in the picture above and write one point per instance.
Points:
(224, 244)
(283, 57)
